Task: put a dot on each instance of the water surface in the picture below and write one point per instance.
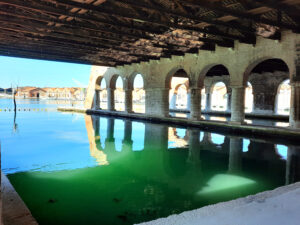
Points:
(81, 169)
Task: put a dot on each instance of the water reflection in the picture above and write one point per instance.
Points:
(137, 171)
(123, 136)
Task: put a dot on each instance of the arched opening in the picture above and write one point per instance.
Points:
(216, 93)
(138, 94)
(178, 94)
(249, 98)
(219, 97)
(119, 95)
(283, 98)
(203, 99)
(265, 77)
(103, 94)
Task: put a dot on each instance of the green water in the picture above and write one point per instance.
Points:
(76, 169)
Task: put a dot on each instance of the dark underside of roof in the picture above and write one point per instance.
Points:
(120, 32)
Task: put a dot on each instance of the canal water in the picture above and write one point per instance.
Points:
(81, 169)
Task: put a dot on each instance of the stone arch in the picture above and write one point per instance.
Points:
(131, 78)
(113, 79)
(172, 72)
(256, 62)
(282, 103)
(179, 85)
(219, 97)
(265, 75)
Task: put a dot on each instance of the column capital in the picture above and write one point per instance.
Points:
(295, 83)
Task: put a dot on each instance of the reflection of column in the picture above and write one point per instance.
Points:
(206, 138)
(292, 172)
(111, 99)
(96, 124)
(194, 150)
(156, 137)
(195, 101)
(173, 101)
(110, 140)
(95, 151)
(97, 100)
(238, 104)
(128, 100)
(208, 98)
(127, 141)
(157, 102)
(295, 105)
(188, 106)
(235, 155)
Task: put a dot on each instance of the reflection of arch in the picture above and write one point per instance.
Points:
(282, 151)
(175, 141)
(219, 96)
(217, 139)
(283, 98)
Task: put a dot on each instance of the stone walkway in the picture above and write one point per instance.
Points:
(277, 207)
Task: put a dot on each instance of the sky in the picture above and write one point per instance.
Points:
(41, 73)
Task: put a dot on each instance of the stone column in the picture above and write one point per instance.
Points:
(195, 103)
(157, 102)
(238, 104)
(128, 100)
(96, 124)
(235, 155)
(110, 99)
(207, 99)
(228, 101)
(173, 101)
(97, 100)
(127, 141)
(188, 106)
(295, 105)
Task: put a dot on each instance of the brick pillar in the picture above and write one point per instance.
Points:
(295, 105)
(111, 99)
(228, 101)
(157, 102)
(128, 100)
(238, 104)
(195, 103)
(207, 98)
(235, 154)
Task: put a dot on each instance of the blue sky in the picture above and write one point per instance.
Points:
(40, 73)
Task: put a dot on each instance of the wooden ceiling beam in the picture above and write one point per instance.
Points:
(241, 15)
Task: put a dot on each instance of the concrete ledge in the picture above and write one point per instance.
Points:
(282, 135)
(251, 115)
(14, 210)
(276, 207)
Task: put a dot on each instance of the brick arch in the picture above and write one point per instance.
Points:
(171, 73)
(205, 70)
(130, 80)
(186, 84)
(256, 62)
(113, 80)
